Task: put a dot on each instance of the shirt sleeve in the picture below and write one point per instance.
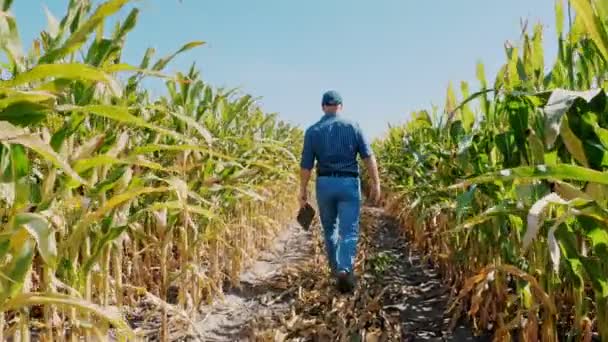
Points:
(365, 149)
(308, 156)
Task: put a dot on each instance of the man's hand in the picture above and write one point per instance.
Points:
(375, 193)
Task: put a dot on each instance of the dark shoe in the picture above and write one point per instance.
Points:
(345, 282)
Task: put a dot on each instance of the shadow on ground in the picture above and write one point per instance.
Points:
(413, 288)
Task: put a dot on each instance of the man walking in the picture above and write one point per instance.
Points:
(334, 143)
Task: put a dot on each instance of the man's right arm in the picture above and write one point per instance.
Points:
(306, 165)
(372, 169)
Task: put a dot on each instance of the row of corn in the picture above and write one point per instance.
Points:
(108, 195)
(506, 187)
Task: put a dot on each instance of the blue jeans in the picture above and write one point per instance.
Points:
(339, 201)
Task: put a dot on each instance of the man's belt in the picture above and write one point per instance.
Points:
(343, 174)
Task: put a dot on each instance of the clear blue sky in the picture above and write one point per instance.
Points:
(386, 57)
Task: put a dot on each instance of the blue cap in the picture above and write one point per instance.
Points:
(332, 98)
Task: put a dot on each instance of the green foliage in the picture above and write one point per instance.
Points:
(526, 187)
(92, 170)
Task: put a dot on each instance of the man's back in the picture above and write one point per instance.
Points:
(335, 143)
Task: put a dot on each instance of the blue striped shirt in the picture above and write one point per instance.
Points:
(334, 142)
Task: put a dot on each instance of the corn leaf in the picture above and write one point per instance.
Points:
(42, 232)
(599, 240)
(181, 148)
(12, 135)
(79, 37)
(573, 143)
(9, 40)
(70, 71)
(14, 97)
(594, 269)
(14, 272)
(123, 67)
(24, 113)
(121, 114)
(162, 63)
(535, 216)
(6, 4)
(53, 23)
(196, 125)
(499, 210)
(176, 205)
(110, 315)
(559, 104)
(528, 173)
(107, 207)
(99, 245)
(89, 163)
(118, 200)
(593, 23)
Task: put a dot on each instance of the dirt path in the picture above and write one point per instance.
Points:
(227, 319)
(288, 296)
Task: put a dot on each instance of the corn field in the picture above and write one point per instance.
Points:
(108, 197)
(506, 187)
(112, 200)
